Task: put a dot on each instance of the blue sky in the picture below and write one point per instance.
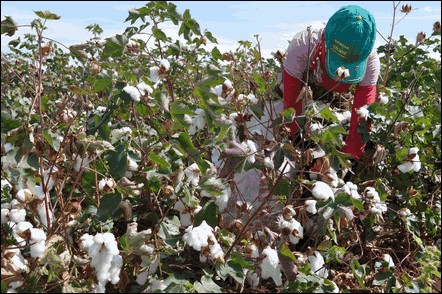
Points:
(276, 22)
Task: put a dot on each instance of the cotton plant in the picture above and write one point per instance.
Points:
(412, 162)
(106, 258)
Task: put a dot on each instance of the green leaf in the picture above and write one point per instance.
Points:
(207, 213)
(216, 54)
(239, 259)
(207, 285)
(115, 46)
(185, 142)
(164, 165)
(230, 268)
(286, 116)
(108, 204)
(159, 34)
(8, 26)
(79, 53)
(52, 139)
(117, 161)
(327, 114)
(285, 251)
(46, 14)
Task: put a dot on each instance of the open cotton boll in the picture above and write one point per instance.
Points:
(154, 74)
(43, 214)
(17, 215)
(17, 258)
(317, 265)
(310, 206)
(197, 237)
(133, 93)
(198, 121)
(38, 238)
(24, 195)
(144, 88)
(251, 150)
(4, 215)
(221, 200)
(322, 191)
(363, 112)
(165, 64)
(270, 267)
(295, 228)
(192, 173)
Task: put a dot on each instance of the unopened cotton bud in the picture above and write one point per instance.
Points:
(436, 26)
(406, 8)
(420, 38)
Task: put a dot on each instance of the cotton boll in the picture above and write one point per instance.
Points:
(295, 229)
(165, 64)
(4, 215)
(117, 264)
(322, 191)
(216, 252)
(133, 93)
(268, 162)
(317, 265)
(405, 167)
(86, 241)
(363, 112)
(251, 150)
(37, 249)
(228, 84)
(154, 74)
(24, 195)
(388, 259)
(221, 200)
(17, 215)
(197, 237)
(131, 164)
(43, 214)
(252, 278)
(17, 258)
(144, 88)
(270, 267)
(310, 206)
(192, 174)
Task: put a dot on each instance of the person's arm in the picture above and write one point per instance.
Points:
(364, 95)
(292, 88)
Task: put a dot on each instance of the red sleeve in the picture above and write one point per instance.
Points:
(364, 95)
(292, 88)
